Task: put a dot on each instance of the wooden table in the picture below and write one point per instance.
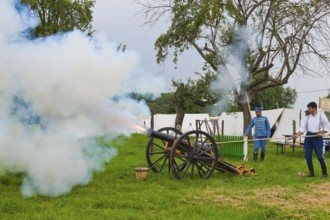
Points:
(326, 143)
(289, 141)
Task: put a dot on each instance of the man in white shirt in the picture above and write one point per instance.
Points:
(315, 124)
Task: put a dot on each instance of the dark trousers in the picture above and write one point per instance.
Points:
(315, 143)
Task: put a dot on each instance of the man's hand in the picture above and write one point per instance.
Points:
(320, 133)
(295, 136)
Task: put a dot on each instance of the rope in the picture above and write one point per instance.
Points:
(259, 139)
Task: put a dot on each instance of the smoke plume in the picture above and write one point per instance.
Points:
(57, 95)
(233, 74)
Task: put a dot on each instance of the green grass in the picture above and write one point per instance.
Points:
(276, 192)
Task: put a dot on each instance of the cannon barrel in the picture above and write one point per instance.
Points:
(171, 139)
(160, 135)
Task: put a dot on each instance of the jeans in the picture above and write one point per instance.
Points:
(315, 143)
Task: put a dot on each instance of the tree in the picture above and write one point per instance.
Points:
(192, 96)
(56, 16)
(271, 39)
(328, 96)
(275, 97)
(271, 98)
(161, 105)
(59, 16)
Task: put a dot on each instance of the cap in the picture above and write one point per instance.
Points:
(258, 109)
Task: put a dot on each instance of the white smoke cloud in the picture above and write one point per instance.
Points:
(57, 94)
(233, 74)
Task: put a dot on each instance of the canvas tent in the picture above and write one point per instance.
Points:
(286, 123)
(281, 121)
(233, 122)
(163, 120)
(189, 121)
(324, 103)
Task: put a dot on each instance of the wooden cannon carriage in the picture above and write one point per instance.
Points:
(194, 154)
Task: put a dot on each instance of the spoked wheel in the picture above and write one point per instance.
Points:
(158, 151)
(195, 154)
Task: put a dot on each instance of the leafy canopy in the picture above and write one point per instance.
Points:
(271, 39)
(59, 16)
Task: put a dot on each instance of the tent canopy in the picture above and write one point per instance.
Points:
(233, 122)
(281, 121)
(168, 120)
(286, 123)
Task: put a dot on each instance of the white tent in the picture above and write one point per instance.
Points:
(285, 125)
(164, 120)
(281, 119)
(189, 121)
(233, 122)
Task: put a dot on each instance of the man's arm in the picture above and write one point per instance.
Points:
(326, 124)
(249, 128)
(302, 128)
(267, 127)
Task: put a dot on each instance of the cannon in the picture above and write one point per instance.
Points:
(194, 154)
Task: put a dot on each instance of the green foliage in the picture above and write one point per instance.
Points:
(194, 96)
(328, 96)
(59, 16)
(196, 92)
(271, 98)
(188, 20)
(275, 97)
(161, 105)
(276, 192)
(282, 36)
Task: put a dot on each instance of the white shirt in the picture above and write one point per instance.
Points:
(315, 123)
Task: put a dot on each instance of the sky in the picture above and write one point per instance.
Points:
(122, 23)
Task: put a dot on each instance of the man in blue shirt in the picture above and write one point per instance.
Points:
(262, 131)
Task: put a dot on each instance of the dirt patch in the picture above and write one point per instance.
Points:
(274, 197)
(318, 198)
(310, 197)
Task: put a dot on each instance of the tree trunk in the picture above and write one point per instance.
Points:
(179, 113)
(246, 115)
(243, 101)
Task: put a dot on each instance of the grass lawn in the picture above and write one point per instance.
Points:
(276, 192)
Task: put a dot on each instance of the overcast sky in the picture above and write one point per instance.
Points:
(122, 23)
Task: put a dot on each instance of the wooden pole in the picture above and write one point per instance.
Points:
(259, 139)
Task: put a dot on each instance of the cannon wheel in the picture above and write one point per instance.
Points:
(195, 154)
(156, 152)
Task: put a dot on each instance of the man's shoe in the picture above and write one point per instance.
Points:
(255, 156)
(324, 171)
(262, 157)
